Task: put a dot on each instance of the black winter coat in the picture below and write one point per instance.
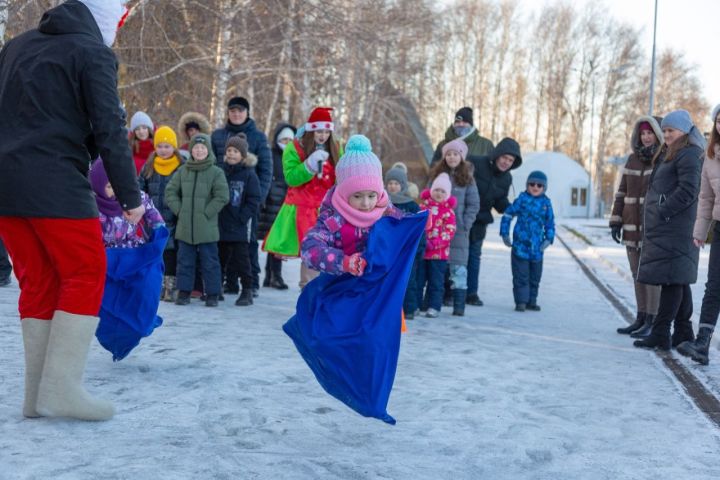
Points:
(59, 101)
(493, 185)
(258, 146)
(668, 256)
(236, 218)
(278, 186)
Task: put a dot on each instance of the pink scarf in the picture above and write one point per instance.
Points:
(356, 217)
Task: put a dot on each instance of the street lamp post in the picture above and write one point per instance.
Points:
(652, 68)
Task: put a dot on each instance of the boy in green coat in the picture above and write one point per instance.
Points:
(196, 194)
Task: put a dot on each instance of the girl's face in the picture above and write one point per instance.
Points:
(321, 136)
(233, 156)
(142, 132)
(439, 195)
(164, 150)
(365, 200)
(199, 152)
(191, 132)
(647, 138)
(109, 192)
(452, 158)
(671, 135)
(393, 186)
(504, 162)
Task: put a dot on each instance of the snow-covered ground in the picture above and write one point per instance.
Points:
(222, 394)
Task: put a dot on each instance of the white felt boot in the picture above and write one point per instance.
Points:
(61, 393)
(35, 339)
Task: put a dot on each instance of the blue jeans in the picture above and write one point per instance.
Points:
(209, 266)
(526, 279)
(432, 273)
(473, 266)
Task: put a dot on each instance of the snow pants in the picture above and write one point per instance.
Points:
(59, 263)
(526, 279)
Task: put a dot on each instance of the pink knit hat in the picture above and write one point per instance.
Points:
(456, 145)
(442, 181)
(358, 169)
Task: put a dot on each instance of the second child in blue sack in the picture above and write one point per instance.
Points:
(534, 231)
(348, 319)
(236, 218)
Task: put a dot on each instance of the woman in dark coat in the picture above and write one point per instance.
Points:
(669, 257)
(284, 134)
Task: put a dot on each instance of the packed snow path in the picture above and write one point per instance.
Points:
(222, 394)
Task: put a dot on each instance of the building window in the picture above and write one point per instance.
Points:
(578, 197)
(574, 197)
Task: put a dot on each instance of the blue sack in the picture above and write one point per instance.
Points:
(347, 328)
(132, 295)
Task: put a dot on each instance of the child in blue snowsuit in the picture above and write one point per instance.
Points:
(534, 231)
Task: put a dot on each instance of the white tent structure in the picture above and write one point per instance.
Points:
(568, 182)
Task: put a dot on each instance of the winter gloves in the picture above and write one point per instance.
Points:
(615, 232)
(507, 241)
(314, 161)
(354, 264)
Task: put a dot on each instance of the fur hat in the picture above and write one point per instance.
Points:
(165, 134)
(443, 182)
(239, 142)
(456, 145)
(359, 168)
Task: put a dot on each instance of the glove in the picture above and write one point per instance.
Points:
(615, 233)
(544, 245)
(312, 163)
(506, 241)
(354, 264)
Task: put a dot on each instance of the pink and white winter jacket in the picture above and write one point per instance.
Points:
(441, 227)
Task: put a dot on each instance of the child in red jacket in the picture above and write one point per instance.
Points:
(439, 233)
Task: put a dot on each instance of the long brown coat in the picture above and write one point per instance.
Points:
(627, 210)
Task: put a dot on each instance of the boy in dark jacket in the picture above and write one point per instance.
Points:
(533, 233)
(236, 218)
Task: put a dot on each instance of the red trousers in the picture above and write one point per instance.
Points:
(59, 263)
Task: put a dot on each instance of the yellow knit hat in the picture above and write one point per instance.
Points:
(165, 134)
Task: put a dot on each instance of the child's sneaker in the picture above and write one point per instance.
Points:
(432, 313)
(533, 307)
(520, 307)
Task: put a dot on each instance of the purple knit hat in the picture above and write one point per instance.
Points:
(456, 145)
(109, 207)
(359, 168)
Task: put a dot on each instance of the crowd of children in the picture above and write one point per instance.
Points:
(214, 212)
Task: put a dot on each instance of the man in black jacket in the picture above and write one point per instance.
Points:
(493, 179)
(58, 101)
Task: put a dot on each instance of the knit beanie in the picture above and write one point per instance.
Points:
(107, 15)
(465, 114)
(239, 102)
(358, 169)
(679, 120)
(400, 165)
(286, 133)
(399, 175)
(141, 119)
(537, 177)
(456, 145)
(645, 126)
(715, 112)
(165, 134)
(239, 142)
(442, 181)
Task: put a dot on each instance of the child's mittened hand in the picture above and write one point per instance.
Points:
(544, 245)
(312, 163)
(354, 264)
(506, 241)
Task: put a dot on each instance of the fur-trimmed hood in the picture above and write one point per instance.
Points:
(196, 117)
(654, 122)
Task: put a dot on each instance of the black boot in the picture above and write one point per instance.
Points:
(278, 283)
(183, 298)
(645, 330)
(683, 332)
(245, 299)
(211, 301)
(699, 350)
(268, 278)
(533, 307)
(519, 307)
(473, 299)
(459, 301)
(636, 325)
(659, 338)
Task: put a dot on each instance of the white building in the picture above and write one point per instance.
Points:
(568, 182)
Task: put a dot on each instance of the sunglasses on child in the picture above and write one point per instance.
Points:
(537, 185)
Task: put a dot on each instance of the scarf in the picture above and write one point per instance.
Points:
(165, 166)
(197, 166)
(231, 127)
(108, 206)
(356, 217)
(400, 198)
(648, 152)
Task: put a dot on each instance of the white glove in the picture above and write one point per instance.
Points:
(312, 163)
